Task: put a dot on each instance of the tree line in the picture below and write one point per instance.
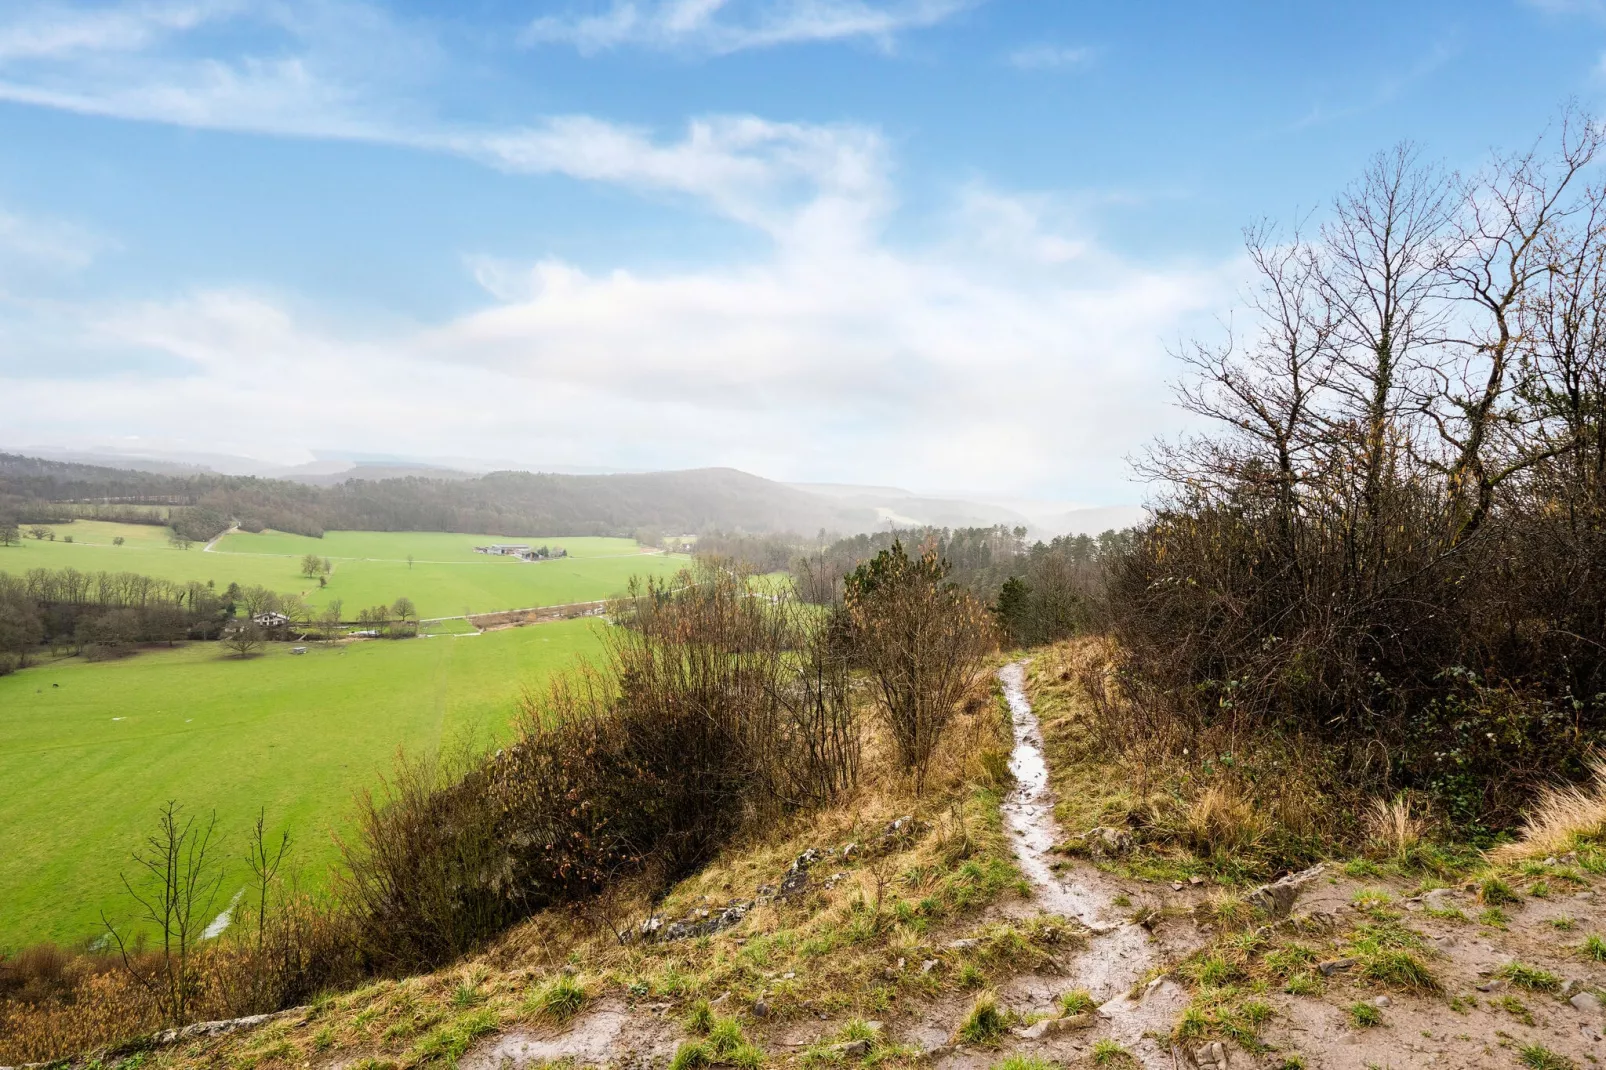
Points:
(104, 614)
(501, 503)
(1038, 591)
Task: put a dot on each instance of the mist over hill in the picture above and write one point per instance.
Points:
(500, 503)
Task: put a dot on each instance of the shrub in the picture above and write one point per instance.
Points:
(712, 711)
(922, 641)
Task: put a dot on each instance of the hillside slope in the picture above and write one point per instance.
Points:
(509, 503)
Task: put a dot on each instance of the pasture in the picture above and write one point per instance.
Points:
(444, 578)
(88, 751)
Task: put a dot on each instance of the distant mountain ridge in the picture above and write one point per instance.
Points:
(500, 503)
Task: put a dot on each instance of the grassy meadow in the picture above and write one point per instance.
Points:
(445, 578)
(88, 751)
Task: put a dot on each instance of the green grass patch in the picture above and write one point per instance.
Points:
(1531, 978)
(1107, 1052)
(1076, 1001)
(557, 1000)
(88, 751)
(1364, 1015)
(1537, 1057)
(445, 577)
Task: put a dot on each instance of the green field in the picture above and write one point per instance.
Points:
(445, 578)
(88, 751)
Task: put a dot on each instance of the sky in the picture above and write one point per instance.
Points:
(939, 244)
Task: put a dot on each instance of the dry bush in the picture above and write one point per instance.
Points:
(715, 709)
(1394, 829)
(1222, 820)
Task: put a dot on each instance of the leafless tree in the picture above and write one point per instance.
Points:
(175, 895)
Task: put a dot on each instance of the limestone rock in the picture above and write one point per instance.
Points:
(1277, 898)
(1587, 1002)
(1211, 1056)
(1104, 840)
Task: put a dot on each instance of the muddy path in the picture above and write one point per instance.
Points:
(1119, 953)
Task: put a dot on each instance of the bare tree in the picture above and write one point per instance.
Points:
(175, 895)
(245, 638)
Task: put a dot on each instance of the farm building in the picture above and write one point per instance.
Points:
(270, 620)
(502, 549)
(523, 553)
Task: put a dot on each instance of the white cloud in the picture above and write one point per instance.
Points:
(1041, 57)
(724, 26)
(29, 245)
(53, 31)
(1005, 354)
(1008, 350)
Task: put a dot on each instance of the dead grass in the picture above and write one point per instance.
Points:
(1394, 830)
(1562, 819)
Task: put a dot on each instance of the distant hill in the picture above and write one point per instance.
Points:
(501, 503)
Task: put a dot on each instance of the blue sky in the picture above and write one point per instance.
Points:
(943, 244)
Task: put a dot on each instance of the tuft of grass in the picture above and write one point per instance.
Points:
(1395, 831)
(1516, 1008)
(690, 1055)
(986, 1021)
(1400, 969)
(725, 1037)
(1076, 1001)
(1531, 978)
(1494, 892)
(1562, 820)
(1023, 1062)
(1361, 868)
(558, 1000)
(1494, 918)
(699, 1017)
(1564, 924)
(1536, 1057)
(466, 995)
(1371, 898)
(1594, 947)
(1108, 1053)
(447, 1043)
(971, 976)
(1303, 983)
(1364, 1015)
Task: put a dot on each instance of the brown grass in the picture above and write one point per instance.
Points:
(1394, 829)
(1562, 819)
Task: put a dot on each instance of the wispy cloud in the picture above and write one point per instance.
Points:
(719, 27)
(50, 31)
(1049, 57)
(29, 244)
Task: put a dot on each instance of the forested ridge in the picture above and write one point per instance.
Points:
(501, 503)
